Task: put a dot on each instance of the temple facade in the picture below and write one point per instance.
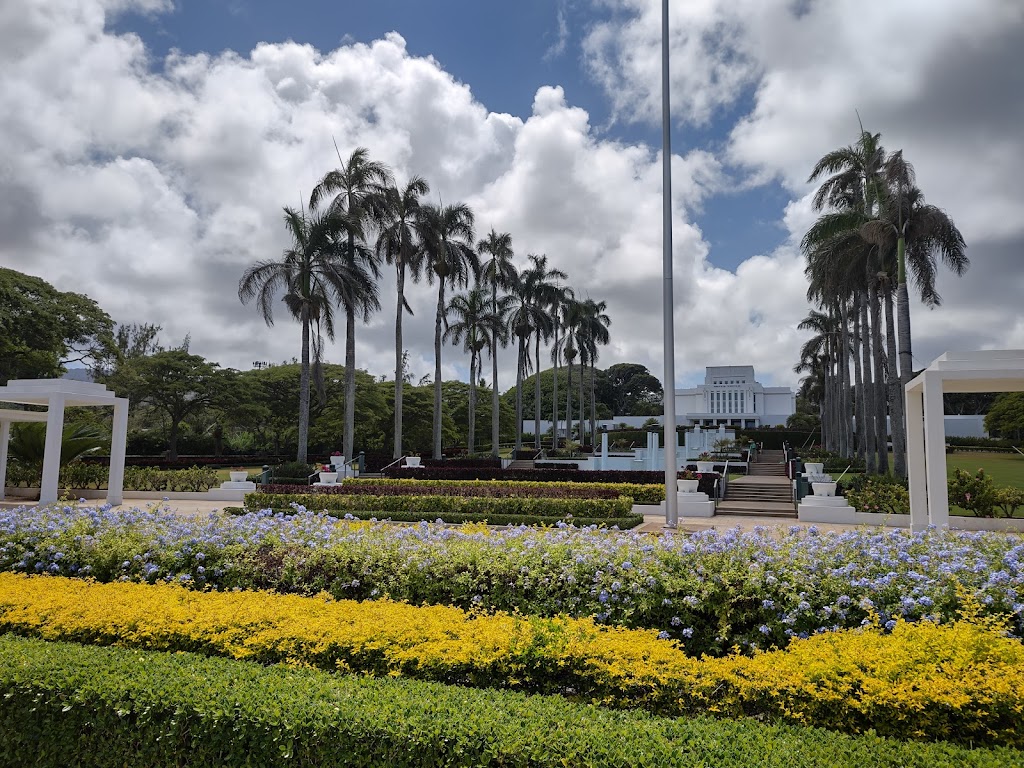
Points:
(730, 395)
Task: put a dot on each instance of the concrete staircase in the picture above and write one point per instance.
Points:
(521, 464)
(765, 491)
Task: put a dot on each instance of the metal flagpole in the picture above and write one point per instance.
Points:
(669, 396)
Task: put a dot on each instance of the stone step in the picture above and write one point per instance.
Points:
(521, 464)
(756, 508)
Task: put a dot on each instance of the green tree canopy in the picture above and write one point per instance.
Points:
(1006, 417)
(176, 384)
(42, 328)
(629, 389)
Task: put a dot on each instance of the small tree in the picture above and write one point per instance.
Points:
(175, 383)
(1006, 416)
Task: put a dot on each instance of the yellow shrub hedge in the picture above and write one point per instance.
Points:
(961, 682)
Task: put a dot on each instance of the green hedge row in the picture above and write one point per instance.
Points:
(641, 493)
(433, 507)
(623, 523)
(62, 704)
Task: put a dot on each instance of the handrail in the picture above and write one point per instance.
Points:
(401, 458)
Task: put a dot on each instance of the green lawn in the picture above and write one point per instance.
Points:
(1006, 469)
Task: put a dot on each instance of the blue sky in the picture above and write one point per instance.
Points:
(152, 171)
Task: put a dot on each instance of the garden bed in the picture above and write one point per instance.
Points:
(63, 704)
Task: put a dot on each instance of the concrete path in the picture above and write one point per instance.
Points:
(654, 521)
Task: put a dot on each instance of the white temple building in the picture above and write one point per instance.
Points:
(731, 396)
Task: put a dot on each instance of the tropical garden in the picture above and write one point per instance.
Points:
(499, 617)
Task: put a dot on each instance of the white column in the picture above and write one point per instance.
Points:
(5, 436)
(915, 459)
(118, 440)
(51, 453)
(935, 451)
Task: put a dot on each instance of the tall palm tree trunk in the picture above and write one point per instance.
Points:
(536, 395)
(867, 427)
(593, 408)
(903, 313)
(437, 369)
(858, 380)
(348, 435)
(568, 401)
(399, 367)
(471, 439)
(897, 417)
(881, 445)
(350, 383)
(495, 401)
(583, 428)
(304, 389)
(519, 392)
(846, 412)
(554, 393)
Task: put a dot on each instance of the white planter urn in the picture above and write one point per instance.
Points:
(705, 466)
(337, 462)
(328, 477)
(686, 486)
(811, 468)
(824, 489)
(238, 477)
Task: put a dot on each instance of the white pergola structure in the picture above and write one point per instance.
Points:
(56, 395)
(988, 371)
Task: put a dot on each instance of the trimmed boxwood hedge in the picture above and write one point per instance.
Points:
(446, 507)
(63, 704)
(641, 494)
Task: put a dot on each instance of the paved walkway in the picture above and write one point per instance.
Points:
(653, 522)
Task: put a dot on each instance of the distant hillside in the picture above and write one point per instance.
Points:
(78, 374)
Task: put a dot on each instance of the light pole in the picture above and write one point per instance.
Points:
(671, 501)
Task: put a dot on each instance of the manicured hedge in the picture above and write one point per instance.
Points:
(442, 507)
(641, 494)
(963, 682)
(69, 705)
(455, 518)
(637, 477)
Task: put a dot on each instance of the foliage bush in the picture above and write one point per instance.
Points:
(560, 475)
(962, 682)
(641, 494)
(978, 494)
(63, 704)
(79, 475)
(712, 590)
(195, 479)
(439, 507)
(882, 494)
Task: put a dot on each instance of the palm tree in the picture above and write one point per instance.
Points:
(571, 348)
(919, 232)
(560, 299)
(474, 327)
(397, 244)
(594, 333)
(311, 275)
(447, 236)
(853, 190)
(358, 188)
(499, 273)
(537, 281)
(526, 317)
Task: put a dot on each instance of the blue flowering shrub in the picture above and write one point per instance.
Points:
(713, 590)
